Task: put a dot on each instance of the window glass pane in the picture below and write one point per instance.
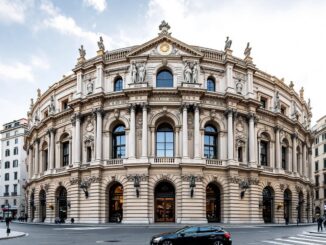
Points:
(169, 146)
(164, 79)
(169, 153)
(160, 137)
(169, 137)
(160, 146)
(159, 153)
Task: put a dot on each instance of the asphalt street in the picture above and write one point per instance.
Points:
(140, 235)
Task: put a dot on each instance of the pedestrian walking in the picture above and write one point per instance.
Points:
(320, 223)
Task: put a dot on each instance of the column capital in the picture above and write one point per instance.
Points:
(185, 106)
(52, 130)
(230, 111)
(197, 107)
(132, 106)
(36, 141)
(278, 128)
(144, 106)
(294, 136)
(98, 111)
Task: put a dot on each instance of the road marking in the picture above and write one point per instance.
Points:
(278, 243)
(297, 242)
(309, 236)
(306, 239)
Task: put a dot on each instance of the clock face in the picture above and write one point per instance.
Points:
(165, 48)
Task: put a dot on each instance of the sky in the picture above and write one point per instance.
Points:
(39, 39)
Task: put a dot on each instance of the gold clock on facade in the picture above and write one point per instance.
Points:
(165, 48)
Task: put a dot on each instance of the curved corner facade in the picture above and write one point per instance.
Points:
(169, 132)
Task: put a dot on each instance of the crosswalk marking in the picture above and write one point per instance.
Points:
(306, 238)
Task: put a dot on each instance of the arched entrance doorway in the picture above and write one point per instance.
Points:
(61, 199)
(42, 198)
(268, 204)
(287, 205)
(116, 202)
(164, 202)
(300, 207)
(32, 206)
(213, 203)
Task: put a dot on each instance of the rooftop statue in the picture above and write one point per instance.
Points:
(82, 52)
(247, 50)
(100, 44)
(228, 43)
(38, 93)
(302, 93)
(164, 27)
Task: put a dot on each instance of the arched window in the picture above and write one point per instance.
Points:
(119, 142)
(118, 84)
(284, 155)
(210, 142)
(164, 141)
(164, 79)
(210, 85)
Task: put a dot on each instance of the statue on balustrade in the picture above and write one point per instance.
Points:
(187, 72)
(228, 43)
(141, 72)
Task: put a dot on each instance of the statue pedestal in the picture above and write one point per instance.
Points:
(80, 60)
(138, 85)
(100, 52)
(191, 85)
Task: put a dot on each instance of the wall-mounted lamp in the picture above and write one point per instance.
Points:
(244, 185)
(84, 185)
(137, 184)
(192, 185)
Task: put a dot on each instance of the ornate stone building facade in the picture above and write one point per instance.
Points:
(169, 132)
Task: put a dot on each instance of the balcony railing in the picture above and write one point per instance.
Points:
(6, 194)
(214, 162)
(118, 161)
(164, 160)
(14, 193)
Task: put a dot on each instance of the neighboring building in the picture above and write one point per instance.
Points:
(13, 168)
(169, 132)
(319, 165)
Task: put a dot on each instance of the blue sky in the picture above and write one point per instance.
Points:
(39, 39)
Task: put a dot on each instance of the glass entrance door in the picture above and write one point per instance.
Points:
(164, 202)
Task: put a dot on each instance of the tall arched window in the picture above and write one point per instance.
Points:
(119, 142)
(284, 153)
(210, 85)
(118, 84)
(210, 142)
(164, 141)
(264, 153)
(164, 79)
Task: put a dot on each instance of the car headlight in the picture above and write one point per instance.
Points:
(157, 239)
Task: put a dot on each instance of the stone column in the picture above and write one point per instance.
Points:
(277, 148)
(37, 162)
(304, 160)
(185, 131)
(144, 133)
(294, 153)
(132, 132)
(252, 155)
(177, 143)
(77, 141)
(52, 146)
(99, 135)
(196, 133)
(230, 134)
(152, 141)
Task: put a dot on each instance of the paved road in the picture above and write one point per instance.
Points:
(140, 235)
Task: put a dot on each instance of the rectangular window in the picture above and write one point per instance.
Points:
(7, 135)
(317, 140)
(15, 188)
(317, 180)
(65, 104)
(324, 163)
(15, 175)
(88, 154)
(317, 194)
(263, 102)
(6, 190)
(263, 153)
(283, 110)
(316, 152)
(7, 142)
(7, 153)
(65, 154)
(45, 159)
(6, 176)
(240, 157)
(316, 166)
(325, 193)
(324, 148)
(7, 164)
(16, 141)
(16, 151)
(15, 163)
(283, 157)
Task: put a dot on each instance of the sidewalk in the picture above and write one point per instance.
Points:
(171, 225)
(13, 234)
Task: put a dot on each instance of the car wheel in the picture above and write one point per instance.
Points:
(217, 243)
(167, 243)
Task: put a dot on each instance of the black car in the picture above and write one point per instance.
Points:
(192, 235)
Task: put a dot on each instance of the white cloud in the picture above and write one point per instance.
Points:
(16, 71)
(12, 11)
(98, 5)
(66, 25)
